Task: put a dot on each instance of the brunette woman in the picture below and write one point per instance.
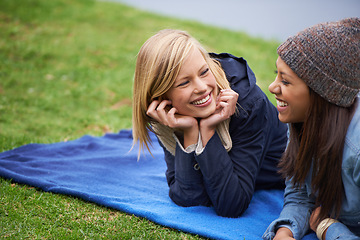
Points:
(316, 87)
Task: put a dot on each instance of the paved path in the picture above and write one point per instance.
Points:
(270, 19)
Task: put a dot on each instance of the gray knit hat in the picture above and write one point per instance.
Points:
(327, 58)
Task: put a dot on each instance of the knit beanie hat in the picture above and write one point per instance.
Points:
(327, 58)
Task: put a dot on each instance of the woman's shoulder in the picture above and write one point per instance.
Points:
(352, 141)
(354, 127)
(240, 76)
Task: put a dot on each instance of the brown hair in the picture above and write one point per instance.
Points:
(319, 143)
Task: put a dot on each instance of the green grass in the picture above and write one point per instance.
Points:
(66, 69)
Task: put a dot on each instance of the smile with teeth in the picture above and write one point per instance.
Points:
(201, 101)
(281, 103)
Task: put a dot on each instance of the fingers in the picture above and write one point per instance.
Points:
(172, 112)
(157, 110)
(230, 97)
(151, 111)
(225, 110)
(227, 95)
(162, 112)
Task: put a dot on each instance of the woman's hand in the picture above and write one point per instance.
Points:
(161, 113)
(284, 234)
(225, 108)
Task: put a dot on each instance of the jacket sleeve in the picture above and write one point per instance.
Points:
(185, 182)
(229, 177)
(339, 231)
(296, 212)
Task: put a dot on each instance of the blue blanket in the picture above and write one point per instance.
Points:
(103, 170)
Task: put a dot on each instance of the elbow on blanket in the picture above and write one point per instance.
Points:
(232, 209)
(231, 213)
(189, 200)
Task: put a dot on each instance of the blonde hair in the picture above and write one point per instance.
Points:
(158, 64)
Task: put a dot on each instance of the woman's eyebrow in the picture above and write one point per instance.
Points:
(203, 66)
(281, 72)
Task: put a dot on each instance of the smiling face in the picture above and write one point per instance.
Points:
(194, 90)
(291, 93)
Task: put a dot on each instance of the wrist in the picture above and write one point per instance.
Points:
(207, 124)
(206, 133)
(191, 135)
(323, 226)
(283, 232)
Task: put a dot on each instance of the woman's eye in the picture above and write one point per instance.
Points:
(182, 84)
(285, 82)
(205, 72)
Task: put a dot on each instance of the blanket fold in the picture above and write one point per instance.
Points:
(103, 170)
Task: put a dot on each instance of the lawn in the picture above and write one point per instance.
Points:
(66, 69)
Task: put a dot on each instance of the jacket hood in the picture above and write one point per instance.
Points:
(238, 73)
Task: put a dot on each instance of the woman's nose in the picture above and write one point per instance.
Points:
(200, 86)
(274, 87)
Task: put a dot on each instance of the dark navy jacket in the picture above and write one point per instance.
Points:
(227, 180)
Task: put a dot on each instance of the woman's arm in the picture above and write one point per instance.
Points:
(229, 177)
(337, 230)
(225, 108)
(296, 212)
(188, 125)
(185, 179)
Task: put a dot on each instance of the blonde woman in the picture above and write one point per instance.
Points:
(220, 134)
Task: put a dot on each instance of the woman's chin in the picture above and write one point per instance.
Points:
(205, 114)
(198, 112)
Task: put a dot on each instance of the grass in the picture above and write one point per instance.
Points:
(66, 69)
